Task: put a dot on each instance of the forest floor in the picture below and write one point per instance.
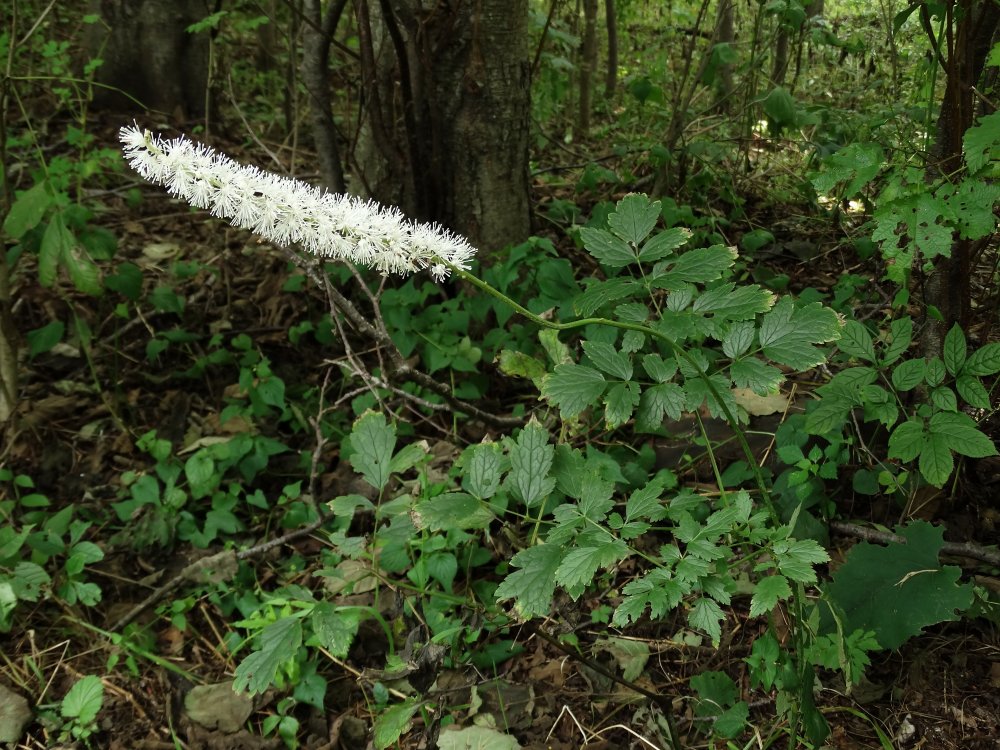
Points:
(83, 409)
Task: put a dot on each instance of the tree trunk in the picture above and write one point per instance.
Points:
(445, 121)
(151, 57)
(780, 61)
(947, 288)
(588, 64)
(611, 20)
(317, 34)
(725, 33)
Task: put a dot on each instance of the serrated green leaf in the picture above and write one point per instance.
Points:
(452, 511)
(634, 218)
(372, 442)
(921, 217)
(611, 251)
(657, 401)
(659, 370)
(899, 589)
(645, 503)
(907, 440)
(27, 210)
(606, 359)
(788, 334)
(797, 557)
(573, 388)
(857, 342)
(954, 350)
(730, 302)
(83, 272)
(971, 203)
(335, 627)
(664, 243)
(556, 350)
(706, 615)
(909, 374)
(961, 434)
(984, 361)
(854, 166)
(767, 593)
(579, 566)
(619, 403)
(600, 293)
(408, 457)
(519, 365)
(532, 586)
(482, 470)
(701, 266)
(393, 722)
(530, 463)
(632, 341)
(84, 700)
(57, 242)
(754, 374)
(972, 391)
(738, 339)
(277, 643)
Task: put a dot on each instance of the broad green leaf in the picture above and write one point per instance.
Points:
(631, 655)
(127, 281)
(935, 372)
(482, 469)
(27, 210)
(909, 374)
(557, 351)
(797, 557)
(619, 403)
(767, 593)
(532, 586)
(519, 365)
(898, 589)
(657, 590)
(754, 374)
(452, 511)
(973, 391)
(393, 722)
(372, 442)
(954, 350)
(907, 440)
(277, 643)
(854, 166)
(201, 475)
(83, 272)
(981, 143)
(335, 627)
(900, 336)
(663, 244)
(738, 339)
(42, 339)
(611, 251)
(716, 691)
(84, 700)
(600, 293)
(971, 202)
(530, 463)
(573, 388)
(57, 241)
(857, 342)
(608, 360)
(780, 107)
(475, 738)
(634, 218)
(707, 615)
(962, 434)
(984, 361)
(408, 457)
(935, 462)
(944, 399)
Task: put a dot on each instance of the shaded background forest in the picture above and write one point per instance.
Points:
(184, 483)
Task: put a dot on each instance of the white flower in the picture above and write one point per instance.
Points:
(287, 211)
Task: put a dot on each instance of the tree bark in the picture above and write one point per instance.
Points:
(151, 57)
(969, 39)
(445, 121)
(611, 21)
(725, 33)
(588, 64)
(317, 34)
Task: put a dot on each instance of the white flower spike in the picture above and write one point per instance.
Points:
(287, 211)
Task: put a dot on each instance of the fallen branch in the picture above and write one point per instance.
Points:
(960, 549)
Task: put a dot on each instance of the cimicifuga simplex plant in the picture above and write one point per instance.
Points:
(666, 332)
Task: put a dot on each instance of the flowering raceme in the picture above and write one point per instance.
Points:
(287, 211)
